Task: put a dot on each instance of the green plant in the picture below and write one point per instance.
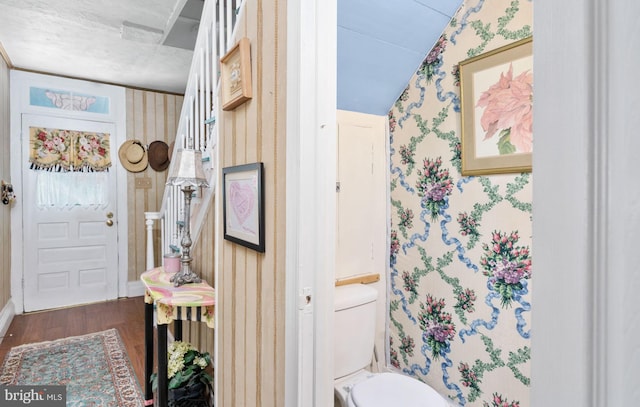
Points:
(186, 366)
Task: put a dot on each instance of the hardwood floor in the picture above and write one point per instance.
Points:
(126, 314)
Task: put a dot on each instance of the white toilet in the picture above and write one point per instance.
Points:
(355, 320)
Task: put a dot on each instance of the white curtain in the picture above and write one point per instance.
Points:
(66, 190)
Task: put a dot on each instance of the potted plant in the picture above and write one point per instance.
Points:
(189, 383)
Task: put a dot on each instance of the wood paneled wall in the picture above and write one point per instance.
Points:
(251, 285)
(203, 254)
(5, 214)
(151, 116)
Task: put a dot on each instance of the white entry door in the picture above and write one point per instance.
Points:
(69, 222)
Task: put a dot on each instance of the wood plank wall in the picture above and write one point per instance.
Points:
(203, 255)
(5, 213)
(150, 116)
(251, 285)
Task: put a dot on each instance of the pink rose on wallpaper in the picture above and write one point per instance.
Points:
(509, 109)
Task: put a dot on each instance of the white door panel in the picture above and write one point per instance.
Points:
(70, 253)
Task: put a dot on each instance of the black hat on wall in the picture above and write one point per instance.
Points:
(159, 155)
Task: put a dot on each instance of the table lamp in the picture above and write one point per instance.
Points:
(188, 174)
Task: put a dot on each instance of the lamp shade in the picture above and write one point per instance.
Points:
(187, 170)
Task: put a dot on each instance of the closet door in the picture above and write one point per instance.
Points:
(361, 195)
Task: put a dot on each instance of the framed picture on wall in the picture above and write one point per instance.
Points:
(496, 91)
(235, 67)
(243, 205)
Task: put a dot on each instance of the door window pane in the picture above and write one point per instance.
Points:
(72, 189)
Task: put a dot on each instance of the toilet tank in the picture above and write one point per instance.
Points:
(355, 327)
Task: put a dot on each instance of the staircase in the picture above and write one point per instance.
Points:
(197, 127)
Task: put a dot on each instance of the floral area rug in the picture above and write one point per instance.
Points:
(94, 367)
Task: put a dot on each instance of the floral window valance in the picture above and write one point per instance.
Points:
(68, 150)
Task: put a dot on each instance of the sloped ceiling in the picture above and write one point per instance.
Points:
(148, 43)
(381, 43)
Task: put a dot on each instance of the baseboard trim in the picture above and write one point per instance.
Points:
(135, 289)
(6, 316)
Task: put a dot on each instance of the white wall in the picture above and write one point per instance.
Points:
(585, 348)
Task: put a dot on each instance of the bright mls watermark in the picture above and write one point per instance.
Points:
(37, 396)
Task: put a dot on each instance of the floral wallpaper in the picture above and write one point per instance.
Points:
(461, 261)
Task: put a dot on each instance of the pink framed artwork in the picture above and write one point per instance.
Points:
(243, 205)
(496, 91)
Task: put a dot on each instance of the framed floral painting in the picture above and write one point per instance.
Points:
(496, 90)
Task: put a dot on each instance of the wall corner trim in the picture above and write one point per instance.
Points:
(135, 289)
(5, 56)
(6, 316)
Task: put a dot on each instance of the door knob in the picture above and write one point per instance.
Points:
(109, 223)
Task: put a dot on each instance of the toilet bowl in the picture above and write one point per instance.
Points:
(393, 389)
(354, 386)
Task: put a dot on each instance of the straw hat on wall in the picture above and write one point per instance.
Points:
(133, 156)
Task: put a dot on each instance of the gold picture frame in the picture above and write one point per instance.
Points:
(235, 67)
(496, 92)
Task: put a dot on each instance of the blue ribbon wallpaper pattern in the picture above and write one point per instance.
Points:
(460, 255)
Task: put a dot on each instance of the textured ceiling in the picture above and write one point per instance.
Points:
(146, 43)
(115, 41)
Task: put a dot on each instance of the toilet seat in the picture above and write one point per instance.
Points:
(392, 389)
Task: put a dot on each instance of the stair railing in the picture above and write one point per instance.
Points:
(197, 126)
